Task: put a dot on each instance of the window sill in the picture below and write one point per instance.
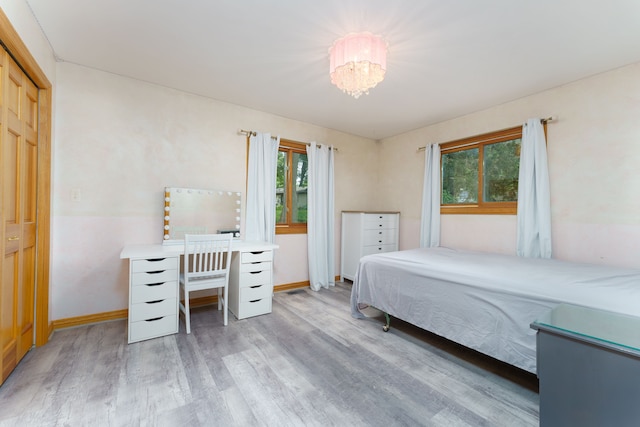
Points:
(291, 229)
(478, 210)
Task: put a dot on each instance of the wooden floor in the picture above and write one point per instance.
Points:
(309, 363)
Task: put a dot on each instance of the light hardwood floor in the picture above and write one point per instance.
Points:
(309, 363)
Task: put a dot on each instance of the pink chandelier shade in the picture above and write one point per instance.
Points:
(358, 62)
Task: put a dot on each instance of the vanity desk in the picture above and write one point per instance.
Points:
(154, 272)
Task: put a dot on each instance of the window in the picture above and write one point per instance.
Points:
(480, 174)
(291, 188)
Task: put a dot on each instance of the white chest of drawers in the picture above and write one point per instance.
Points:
(153, 297)
(366, 233)
(251, 283)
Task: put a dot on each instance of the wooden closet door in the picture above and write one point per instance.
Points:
(18, 151)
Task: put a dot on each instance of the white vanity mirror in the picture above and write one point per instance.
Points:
(195, 211)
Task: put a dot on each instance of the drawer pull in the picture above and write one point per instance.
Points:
(256, 262)
(155, 272)
(255, 286)
(255, 272)
(156, 259)
(257, 252)
(154, 302)
(154, 319)
(155, 284)
(256, 300)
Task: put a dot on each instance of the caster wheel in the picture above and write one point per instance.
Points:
(385, 328)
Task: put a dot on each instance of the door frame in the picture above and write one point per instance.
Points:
(18, 50)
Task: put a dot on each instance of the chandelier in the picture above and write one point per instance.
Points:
(358, 62)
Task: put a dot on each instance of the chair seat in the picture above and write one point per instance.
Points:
(206, 282)
(197, 279)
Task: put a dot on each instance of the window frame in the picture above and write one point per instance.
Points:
(291, 147)
(479, 141)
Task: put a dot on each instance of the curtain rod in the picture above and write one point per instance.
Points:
(254, 133)
(543, 121)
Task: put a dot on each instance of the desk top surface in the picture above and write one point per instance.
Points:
(614, 330)
(159, 250)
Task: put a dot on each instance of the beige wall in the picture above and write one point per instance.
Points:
(120, 141)
(594, 163)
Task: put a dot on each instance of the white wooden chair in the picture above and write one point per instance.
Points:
(207, 258)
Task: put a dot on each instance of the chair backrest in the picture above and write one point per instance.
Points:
(207, 255)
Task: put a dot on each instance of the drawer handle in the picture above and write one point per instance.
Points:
(379, 241)
(156, 259)
(154, 319)
(155, 272)
(257, 252)
(256, 300)
(255, 286)
(256, 262)
(255, 272)
(154, 302)
(155, 284)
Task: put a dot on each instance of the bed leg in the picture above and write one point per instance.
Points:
(387, 325)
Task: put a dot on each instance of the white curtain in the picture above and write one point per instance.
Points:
(261, 187)
(430, 221)
(534, 206)
(320, 217)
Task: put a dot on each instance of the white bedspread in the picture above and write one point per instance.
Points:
(487, 301)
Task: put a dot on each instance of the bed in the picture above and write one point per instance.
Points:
(487, 301)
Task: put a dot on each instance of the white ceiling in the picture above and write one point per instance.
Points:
(446, 58)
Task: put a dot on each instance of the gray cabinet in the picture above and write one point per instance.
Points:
(366, 233)
(588, 364)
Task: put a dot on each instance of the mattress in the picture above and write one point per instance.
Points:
(487, 301)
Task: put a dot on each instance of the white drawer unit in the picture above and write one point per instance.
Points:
(366, 233)
(251, 283)
(153, 297)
